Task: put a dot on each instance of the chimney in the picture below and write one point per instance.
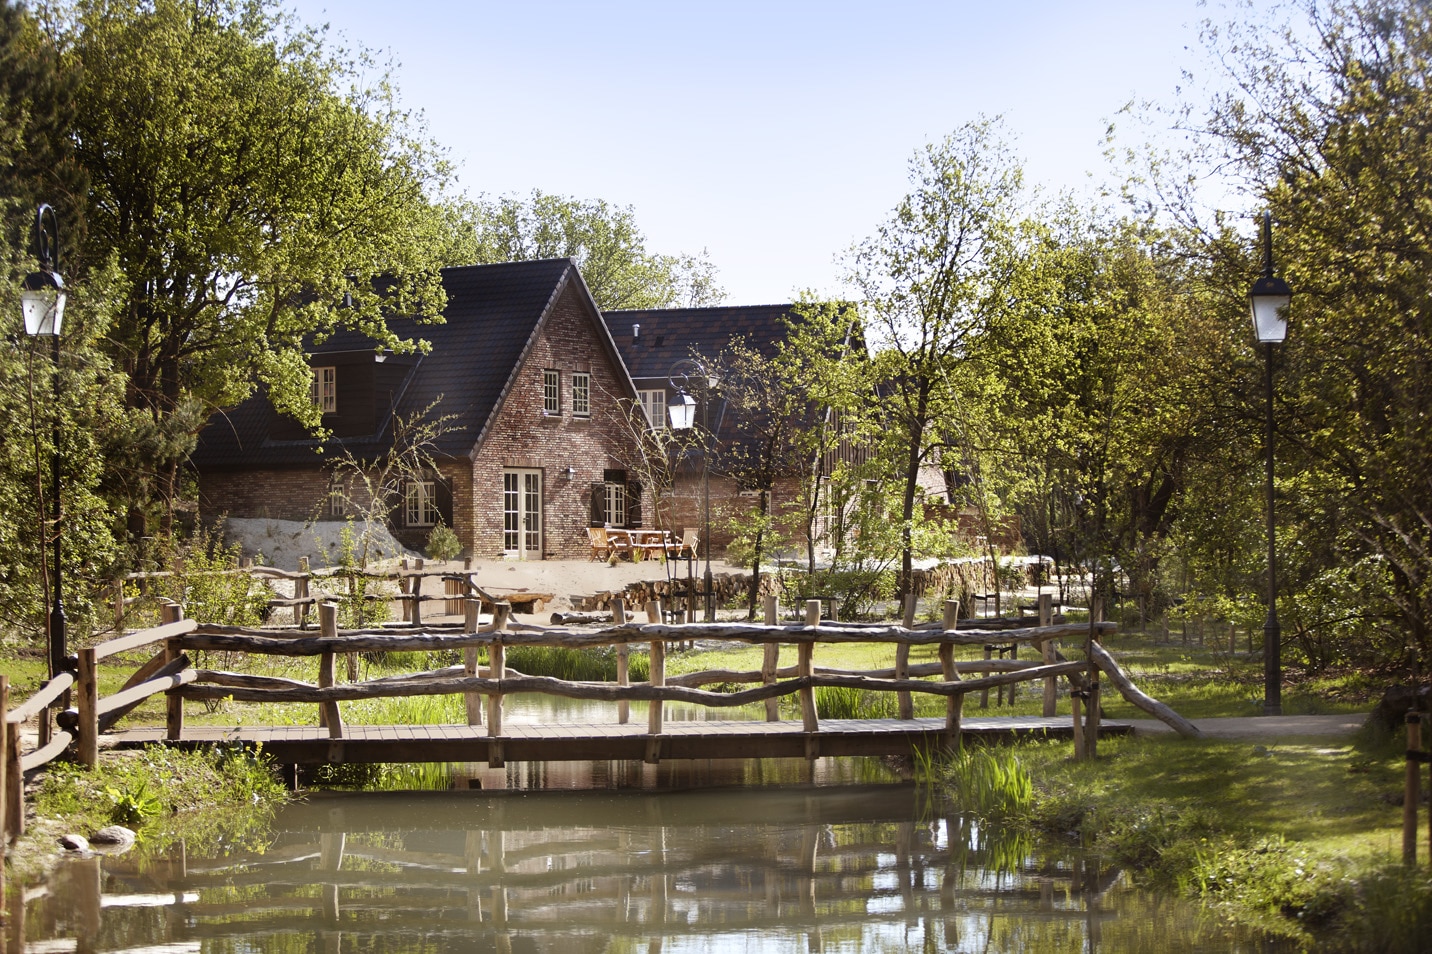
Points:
(635, 332)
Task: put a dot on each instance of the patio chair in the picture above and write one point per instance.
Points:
(601, 545)
(687, 547)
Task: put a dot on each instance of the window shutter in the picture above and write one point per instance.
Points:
(633, 503)
(599, 505)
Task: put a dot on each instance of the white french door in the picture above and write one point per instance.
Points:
(522, 514)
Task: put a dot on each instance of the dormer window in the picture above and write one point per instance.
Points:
(323, 389)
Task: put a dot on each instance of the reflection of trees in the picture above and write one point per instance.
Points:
(854, 868)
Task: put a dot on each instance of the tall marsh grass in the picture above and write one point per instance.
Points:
(847, 702)
(990, 782)
(574, 665)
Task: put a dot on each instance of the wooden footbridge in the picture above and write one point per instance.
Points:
(487, 737)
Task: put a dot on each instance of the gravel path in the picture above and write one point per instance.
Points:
(1264, 728)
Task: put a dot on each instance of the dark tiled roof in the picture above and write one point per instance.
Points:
(491, 315)
(670, 334)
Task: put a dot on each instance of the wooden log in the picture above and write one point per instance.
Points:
(770, 661)
(146, 671)
(472, 701)
(416, 603)
(904, 701)
(47, 753)
(4, 774)
(328, 714)
(1138, 699)
(241, 639)
(41, 699)
(301, 592)
(656, 679)
(171, 614)
(144, 638)
(609, 692)
(1076, 716)
(1051, 686)
(87, 701)
(14, 783)
(954, 705)
(810, 717)
(1411, 788)
(173, 675)
(497, 673)
(623, 662)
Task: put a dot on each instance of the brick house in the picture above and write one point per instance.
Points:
(535, 391)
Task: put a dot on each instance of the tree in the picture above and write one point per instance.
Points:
(602, 239)
(1331, 132)
(252, 191)
(932, 277)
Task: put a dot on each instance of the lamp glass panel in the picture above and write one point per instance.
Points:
(44, 311)
(683, 412)
(1270, 317)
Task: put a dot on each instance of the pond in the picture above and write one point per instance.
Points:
(841, 856)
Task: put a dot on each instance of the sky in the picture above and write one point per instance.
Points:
(772, 135)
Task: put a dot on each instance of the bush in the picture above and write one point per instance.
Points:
(443, 544)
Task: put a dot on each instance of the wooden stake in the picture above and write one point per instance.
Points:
(1411, 792)
(623, 661)
(472, 701)
(902, 661)
(14, 784)
(804, 662)
(173, 702)
(87, 701)
(328, 714)
(771, 659)
(4, 772)
(657, 677)
(954, 705)
(1051, 688)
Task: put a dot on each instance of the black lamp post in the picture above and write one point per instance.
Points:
(1269, 299)
(42, 299)
(683, 417)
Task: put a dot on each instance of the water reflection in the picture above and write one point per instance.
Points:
(849, 868)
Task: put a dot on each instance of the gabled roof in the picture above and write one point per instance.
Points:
(670, 334)
(492, 318)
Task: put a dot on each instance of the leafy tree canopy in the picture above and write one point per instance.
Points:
(602, 239)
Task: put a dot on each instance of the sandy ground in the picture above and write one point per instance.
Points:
(570, 580)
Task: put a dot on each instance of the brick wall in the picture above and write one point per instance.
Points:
(522, 436)
(279, 493)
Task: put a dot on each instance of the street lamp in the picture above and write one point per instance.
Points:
(42, 299)
(1269, 300)
(683, 417)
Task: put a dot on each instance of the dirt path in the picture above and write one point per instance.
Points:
(1264, 728)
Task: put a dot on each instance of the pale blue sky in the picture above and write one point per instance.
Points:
(774, 134)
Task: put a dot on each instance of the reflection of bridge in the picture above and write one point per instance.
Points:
(567, 872)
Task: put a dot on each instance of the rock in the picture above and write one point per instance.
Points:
(1397, 701)
(74, 843)
(113, 838)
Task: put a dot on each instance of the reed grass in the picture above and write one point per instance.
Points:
(990, 782)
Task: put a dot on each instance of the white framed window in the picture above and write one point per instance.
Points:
(551, 392)
(581, 394)
(420, 505)
(337, 495)
(653, 405)
(616, 504)
(323, 389)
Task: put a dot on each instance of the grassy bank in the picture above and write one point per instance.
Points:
(215, 801)
(1301, 837)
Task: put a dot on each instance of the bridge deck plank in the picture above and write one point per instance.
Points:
(600, 741)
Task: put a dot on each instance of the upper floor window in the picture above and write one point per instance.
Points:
(653, 405)
(323, 389)
(582, 394)
(551, 392)
(420, 504)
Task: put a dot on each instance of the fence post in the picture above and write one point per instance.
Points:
(87, 701)
(14, 783)
(417, 615)
(623, 661)
(4, 771)
(810, 717)
(118, 606)
(472, 700)
(656, 677)
(328, 714)
(1076, 706)
(300, 592)
(497, 671)
(954, 705)
(1051, 689)
(173, 702)
(771, 658)
(902, 660)
(1411, 792)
